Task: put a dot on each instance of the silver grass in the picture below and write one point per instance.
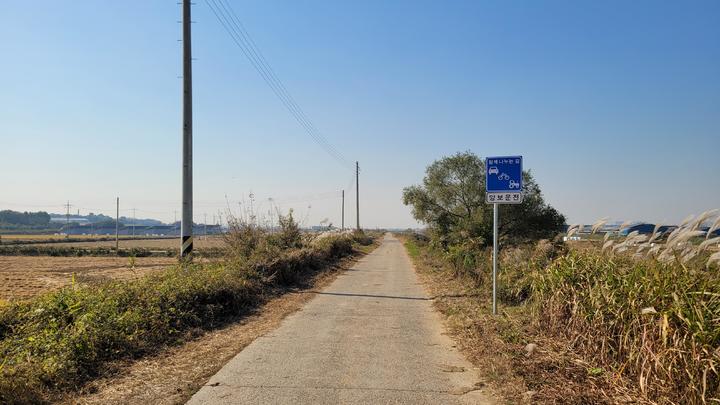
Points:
(655, 232)
(709, 242)
(607, 244)
(674, 234)
(702, 218)
(624, 225)
(653, 250)
(573, 228)
(686, 220)
(598, 224)
(689, 255)
(715, 257)
(715, 226)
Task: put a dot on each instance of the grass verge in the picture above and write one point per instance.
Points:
(551, 371)
(61, 340)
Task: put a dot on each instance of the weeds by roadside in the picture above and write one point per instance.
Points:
(62, 339)
(578, 326)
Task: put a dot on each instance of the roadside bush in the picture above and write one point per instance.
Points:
(469, 258)
(359, 236)
(518, 268)
(289, 236)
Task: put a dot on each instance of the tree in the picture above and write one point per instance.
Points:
(40, 218)
(451, 201)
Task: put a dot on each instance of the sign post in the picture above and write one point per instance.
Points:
(503, 185)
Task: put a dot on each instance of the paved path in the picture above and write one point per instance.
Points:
(371, 337)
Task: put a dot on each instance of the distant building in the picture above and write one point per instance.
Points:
(647, 229)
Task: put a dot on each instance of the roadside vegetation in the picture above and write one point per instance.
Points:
(62, 339)
(632, 319)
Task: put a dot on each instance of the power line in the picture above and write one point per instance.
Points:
(231, 23)
(255, 51)
(258, 55)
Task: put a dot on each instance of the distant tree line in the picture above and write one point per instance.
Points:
(8, 217)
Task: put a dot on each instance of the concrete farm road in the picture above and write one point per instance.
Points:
(370, 337)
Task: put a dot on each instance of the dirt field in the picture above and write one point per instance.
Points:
(163, 243)
(23, 277)
(37, 237)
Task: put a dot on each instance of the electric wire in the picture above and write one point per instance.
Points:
(232, 25)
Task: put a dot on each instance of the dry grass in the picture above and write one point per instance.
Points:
(554, 373)
(60, 340)
(176, 373)
(640, 322)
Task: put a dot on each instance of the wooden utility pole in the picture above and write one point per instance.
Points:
(343, 210)
(186, 228)
(357, 194)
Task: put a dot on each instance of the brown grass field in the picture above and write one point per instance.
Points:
(199, 242)
(23, 277)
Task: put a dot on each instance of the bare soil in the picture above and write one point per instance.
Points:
(160, 243)
(23, 277)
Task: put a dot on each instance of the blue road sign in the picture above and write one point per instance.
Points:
(503, 174)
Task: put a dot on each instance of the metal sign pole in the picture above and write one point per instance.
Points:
(495, 253)
(503, 185)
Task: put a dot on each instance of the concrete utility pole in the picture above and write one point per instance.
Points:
(186, 242)
(357, 194)
(117, 224)
(343, 210)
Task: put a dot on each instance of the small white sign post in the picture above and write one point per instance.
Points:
(503, 185)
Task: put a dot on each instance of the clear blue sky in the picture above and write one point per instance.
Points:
(615, 105)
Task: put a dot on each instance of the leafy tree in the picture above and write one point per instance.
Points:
(451, 201)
